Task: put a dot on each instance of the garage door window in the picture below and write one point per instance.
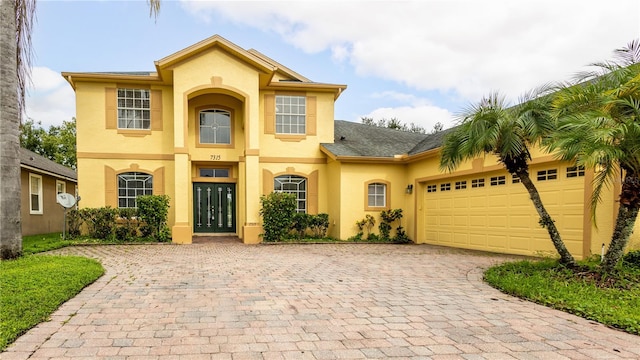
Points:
(477, 183)
(515, 179)
(550, 174)
(432, 188)
(498, 180)
(575, 171)
(461, 185)
(445, 187)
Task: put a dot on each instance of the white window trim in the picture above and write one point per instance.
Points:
(278, 114)
(375, 195)
(289, 179)
(40, 210)
(133, 108)
(64, 187)
(137, 191)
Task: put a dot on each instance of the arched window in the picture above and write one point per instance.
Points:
(293, 184)
(215, 126)
(131, 185)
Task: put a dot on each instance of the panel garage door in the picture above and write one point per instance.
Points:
(493, 212)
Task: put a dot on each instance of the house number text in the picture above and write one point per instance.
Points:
(215, 157)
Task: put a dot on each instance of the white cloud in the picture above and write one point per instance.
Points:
(467, 48)
(45, 79)
(50, 100)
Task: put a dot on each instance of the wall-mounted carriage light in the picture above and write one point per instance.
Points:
(409, 188)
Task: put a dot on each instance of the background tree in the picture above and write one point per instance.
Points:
(507, 132)
(16, 19)
(393, 123)
(58, 143)
(599, 128)
(437, 128)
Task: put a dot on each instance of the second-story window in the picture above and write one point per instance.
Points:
(290, 114)
(215, 126)
(134, 109)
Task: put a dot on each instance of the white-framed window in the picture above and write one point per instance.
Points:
(291, 114)
(35, 194)
(215, 126)
(131, 185)
(61, 187)
(134, 109)
(293, 184)
(377, 195)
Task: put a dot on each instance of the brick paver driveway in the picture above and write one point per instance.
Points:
(233, 301)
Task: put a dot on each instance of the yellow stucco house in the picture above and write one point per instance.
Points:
(216, 126)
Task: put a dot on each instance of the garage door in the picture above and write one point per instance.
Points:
(493, 212)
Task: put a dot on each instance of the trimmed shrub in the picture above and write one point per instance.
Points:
(101, 222)
(319, 224)
(153, 210)
(277, 211)
(300, 223)
(74, 224)
(129, 224)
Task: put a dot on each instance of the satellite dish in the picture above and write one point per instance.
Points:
(66, 200)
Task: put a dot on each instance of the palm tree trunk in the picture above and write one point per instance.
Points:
(10, 228)
(546, 221)
(625, 221)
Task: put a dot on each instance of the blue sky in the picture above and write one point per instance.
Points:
(419, 61)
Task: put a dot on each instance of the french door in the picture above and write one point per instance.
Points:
(214, 208)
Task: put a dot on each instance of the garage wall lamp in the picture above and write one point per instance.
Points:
(409, 188)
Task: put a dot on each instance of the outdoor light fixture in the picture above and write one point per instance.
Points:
(409, 188)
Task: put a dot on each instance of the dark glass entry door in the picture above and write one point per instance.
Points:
(214, 208)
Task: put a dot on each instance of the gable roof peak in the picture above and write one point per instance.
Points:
(211, 42)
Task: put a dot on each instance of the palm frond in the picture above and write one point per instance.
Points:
(154, 8)
(628, 55)
(25, 17)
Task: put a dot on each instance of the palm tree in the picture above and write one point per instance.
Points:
(16, 18)
(15, 59)
(507, 132)
(599, 128)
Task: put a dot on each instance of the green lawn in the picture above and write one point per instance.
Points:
(611, 299)
(38, 243)
(34, 286)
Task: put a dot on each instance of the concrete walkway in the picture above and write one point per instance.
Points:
(231, 301)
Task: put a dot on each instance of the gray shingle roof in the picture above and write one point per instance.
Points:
(430, 142)
(354, 139)
(31, 159)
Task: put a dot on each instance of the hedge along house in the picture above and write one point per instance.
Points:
(216, 126)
